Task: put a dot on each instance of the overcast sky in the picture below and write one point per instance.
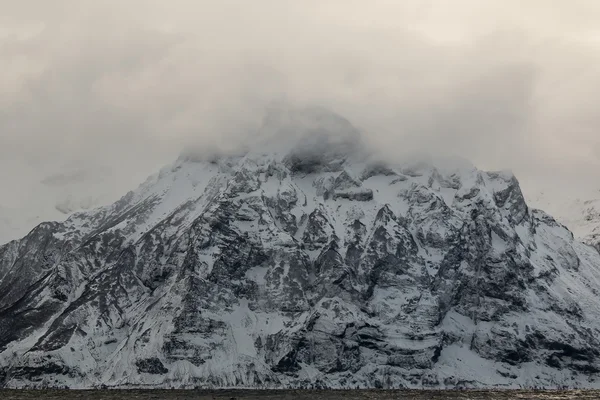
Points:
(106, 92)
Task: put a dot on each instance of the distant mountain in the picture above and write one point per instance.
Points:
(53, 199)
(580, 214)
(11, 228)
(303, 262)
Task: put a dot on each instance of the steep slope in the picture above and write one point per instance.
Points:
(309, 265)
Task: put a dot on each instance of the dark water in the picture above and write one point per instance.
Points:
(292, 394)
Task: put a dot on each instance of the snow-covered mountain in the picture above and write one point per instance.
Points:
(303, 262)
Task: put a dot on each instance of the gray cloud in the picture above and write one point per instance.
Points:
(125, 85)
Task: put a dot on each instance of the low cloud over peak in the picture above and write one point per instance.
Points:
(126, 85)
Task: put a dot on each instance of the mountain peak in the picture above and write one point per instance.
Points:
(306, 139)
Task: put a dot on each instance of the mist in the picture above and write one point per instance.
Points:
(95, 96)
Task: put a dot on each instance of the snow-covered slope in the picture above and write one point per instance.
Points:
(304, 264)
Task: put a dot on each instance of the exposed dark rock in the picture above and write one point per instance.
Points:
(151, 366)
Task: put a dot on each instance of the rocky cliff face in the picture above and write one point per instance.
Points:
(305, 267)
